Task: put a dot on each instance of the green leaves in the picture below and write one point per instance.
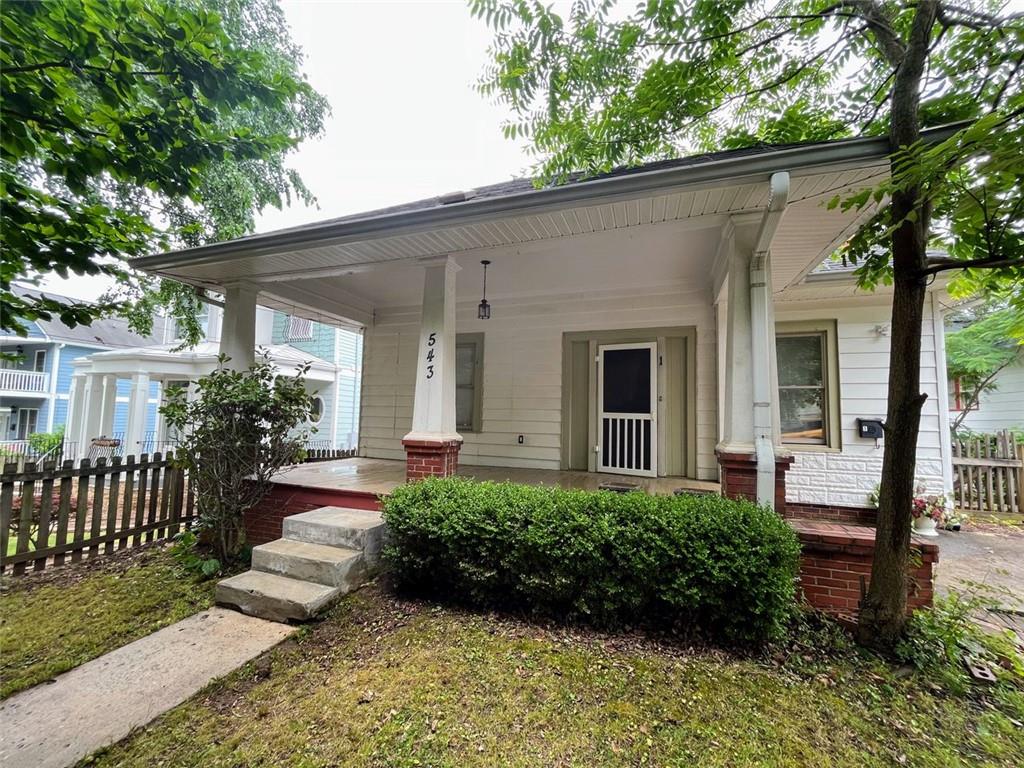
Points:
(239, 432)
(704, 563)
(134, 125)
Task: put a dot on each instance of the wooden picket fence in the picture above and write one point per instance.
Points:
(50, 513)
(989, 473)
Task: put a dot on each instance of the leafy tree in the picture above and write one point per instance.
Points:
(137, 125)
(978, 353)
(610, 86)
(243, 427)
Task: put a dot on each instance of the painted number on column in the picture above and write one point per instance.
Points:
(431, 353)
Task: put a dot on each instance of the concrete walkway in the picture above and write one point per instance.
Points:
(988, 555)
(54, 725)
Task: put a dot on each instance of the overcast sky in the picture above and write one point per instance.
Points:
(406, 123)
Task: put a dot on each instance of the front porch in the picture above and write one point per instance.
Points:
(381, 476)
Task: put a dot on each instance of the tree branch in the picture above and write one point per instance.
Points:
(938, 264)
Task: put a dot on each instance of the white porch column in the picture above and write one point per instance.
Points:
(138, 402)
(73, 424)
(432, 447)
(753, 464)
(238, 328)
(161, 420)
(91, 406)
(107, 405)
(738, 417)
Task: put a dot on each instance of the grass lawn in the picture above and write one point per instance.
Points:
(387, 682)
(55, 620)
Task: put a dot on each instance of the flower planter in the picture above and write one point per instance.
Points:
(925, 526)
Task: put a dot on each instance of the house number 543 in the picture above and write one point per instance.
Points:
(431, 353)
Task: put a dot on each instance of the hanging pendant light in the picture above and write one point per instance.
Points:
(483, 312)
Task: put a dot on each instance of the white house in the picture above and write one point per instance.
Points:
(998, 408)
(664, 323)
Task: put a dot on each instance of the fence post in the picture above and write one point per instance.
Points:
(6, 507)
(28, 499)
(45, 512)
(64, 513)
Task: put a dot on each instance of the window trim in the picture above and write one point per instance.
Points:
(477, 340)
(833, 416)
(956, 391)
(35, 361)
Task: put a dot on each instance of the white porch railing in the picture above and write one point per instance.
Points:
(12, 380)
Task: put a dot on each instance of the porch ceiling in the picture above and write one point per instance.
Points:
(539, 240)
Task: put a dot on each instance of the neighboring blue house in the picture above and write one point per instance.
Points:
(34, 399)
(34, 389)
(340, 421)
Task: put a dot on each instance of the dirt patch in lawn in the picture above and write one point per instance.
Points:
(383, 681)
(56, 619)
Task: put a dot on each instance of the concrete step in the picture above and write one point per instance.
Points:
(357, 529)
(274, 597)
(331, 566)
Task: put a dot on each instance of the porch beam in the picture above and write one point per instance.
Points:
(339, 304)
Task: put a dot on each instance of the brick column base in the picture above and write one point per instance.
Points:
(835, 566)
(739, 477)
(431, 458)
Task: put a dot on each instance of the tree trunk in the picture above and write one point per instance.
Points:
(883, 611)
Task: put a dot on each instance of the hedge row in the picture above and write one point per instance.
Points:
(727, 568)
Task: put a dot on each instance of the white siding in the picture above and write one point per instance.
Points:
(1002, 408)
(523, 371)
(846, 478)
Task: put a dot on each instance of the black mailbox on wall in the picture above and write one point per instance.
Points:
(870, 428)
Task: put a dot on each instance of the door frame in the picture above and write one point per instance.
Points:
(653, 415)
(579, 395)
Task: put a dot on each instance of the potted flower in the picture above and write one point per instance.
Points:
(928, 513)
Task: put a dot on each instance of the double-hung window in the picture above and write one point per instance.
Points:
(808, 383)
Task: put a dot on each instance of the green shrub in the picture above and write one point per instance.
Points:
(725, 567)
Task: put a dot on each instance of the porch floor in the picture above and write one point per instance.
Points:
(381, 476)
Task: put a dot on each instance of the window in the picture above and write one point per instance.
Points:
(808, 383)
(299, 328)
(27, 420)
(469, 351)
(316, 411)
(959, 395)
(39, 364)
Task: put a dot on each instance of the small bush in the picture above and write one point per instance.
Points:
(725, 567)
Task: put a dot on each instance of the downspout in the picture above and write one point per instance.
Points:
(762, 336)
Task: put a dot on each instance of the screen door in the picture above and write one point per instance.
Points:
(627, 409)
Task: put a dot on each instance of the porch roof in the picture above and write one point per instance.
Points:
(165, 361)
(307, 270)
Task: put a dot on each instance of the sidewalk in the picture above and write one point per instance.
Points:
(54, 725)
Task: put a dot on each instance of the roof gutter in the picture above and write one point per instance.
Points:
(454, 214)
